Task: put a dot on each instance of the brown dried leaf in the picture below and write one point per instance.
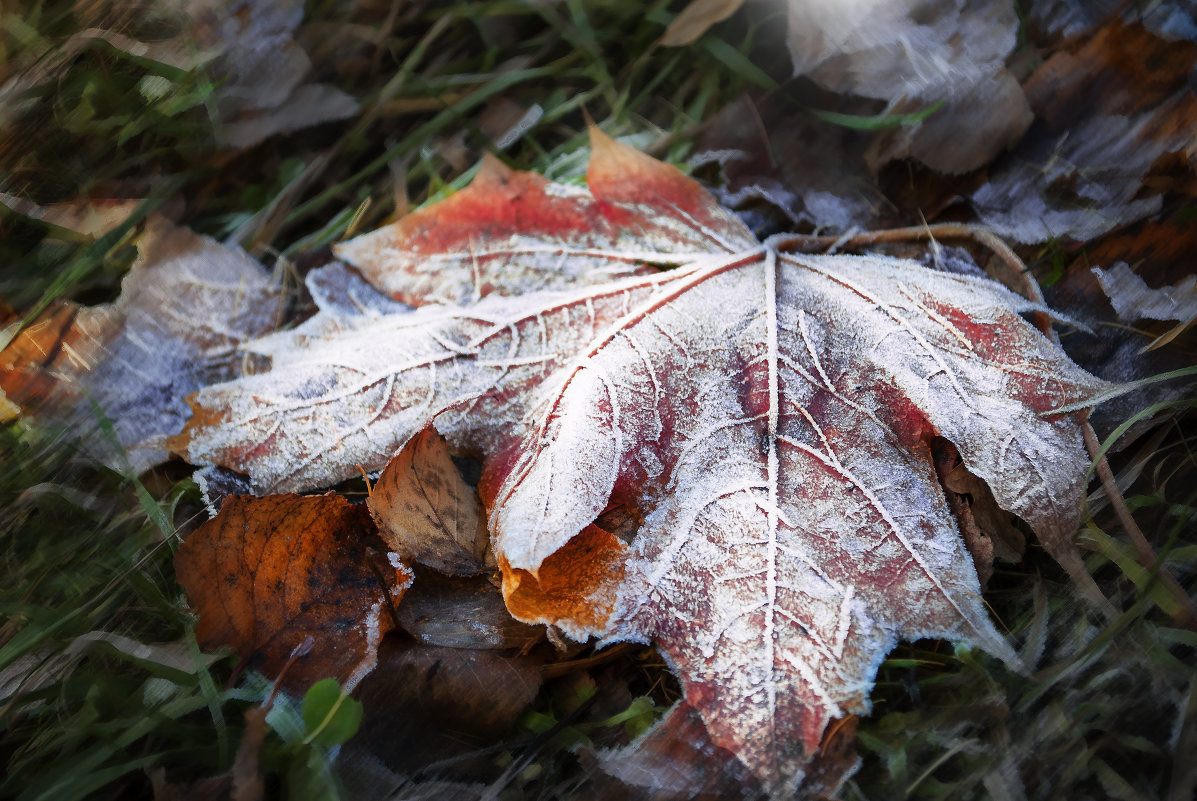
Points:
(695, 19)
(266, 573)
(90, 218)
(462, 613)
(427, 513)
(242, 782)
(1060, 19)
(1104, 114)
(1007, 542)
(427, 703)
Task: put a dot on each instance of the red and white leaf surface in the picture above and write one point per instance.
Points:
(766, 414)
(513, 232)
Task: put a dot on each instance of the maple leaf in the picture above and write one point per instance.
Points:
(766, 414)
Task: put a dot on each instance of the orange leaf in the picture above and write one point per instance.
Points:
(574, 588)
(266, 573)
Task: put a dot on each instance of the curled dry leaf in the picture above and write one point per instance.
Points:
(86, 218)
(1007, 541)
(766, 415)
(185, 305)
(266, 573)
(426, 512)
(695, 19)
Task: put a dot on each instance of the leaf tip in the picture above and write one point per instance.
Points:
(492, 170)
(573, 589)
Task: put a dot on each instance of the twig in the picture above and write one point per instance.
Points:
(555, 669)
(918, 233)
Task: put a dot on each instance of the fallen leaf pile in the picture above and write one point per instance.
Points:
(501, 466)
(767, 415)
(1066, 140)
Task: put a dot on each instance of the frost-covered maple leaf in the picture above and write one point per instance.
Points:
(767, 414)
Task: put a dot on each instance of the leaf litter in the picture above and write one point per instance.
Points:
(766, 413)
(358, 298)
(185, 306)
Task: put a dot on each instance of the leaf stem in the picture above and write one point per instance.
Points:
(981, 235)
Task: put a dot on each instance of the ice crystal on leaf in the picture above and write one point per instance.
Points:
(766, 414)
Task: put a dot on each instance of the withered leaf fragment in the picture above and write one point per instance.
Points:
(915, 56)
(185, 305)
(266, 573)
(427, 512)
(767, 415)
(1104, 115)
(1133, 299)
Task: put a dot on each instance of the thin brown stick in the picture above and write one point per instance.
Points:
(555, 669)
(1187, 616)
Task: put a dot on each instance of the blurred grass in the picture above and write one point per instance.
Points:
(1106, 712)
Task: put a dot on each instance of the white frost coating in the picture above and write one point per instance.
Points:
(768, 415)
(372, 635)
(784, 615)
(401, 263)
(353, 390)
(1133, 299)
(184, 306)
(341, 292)
(1099, 164)
(586, 482)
